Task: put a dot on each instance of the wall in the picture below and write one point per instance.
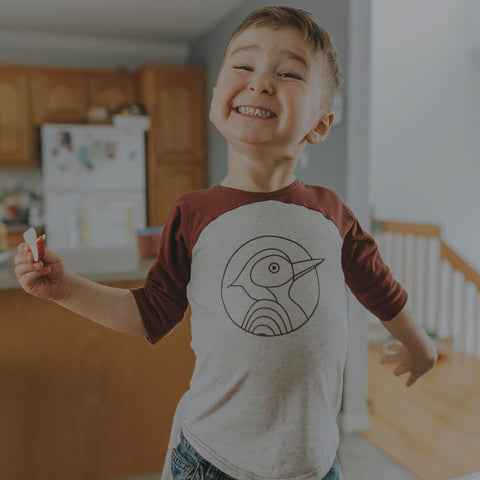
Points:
(425, 102)
(326, 163)
(86, 51)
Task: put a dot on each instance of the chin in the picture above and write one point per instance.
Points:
(249, 142)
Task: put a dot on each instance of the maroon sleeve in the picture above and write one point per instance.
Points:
(163, 301)
(367, 276)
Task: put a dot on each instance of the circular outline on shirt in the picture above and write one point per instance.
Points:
(278, 319)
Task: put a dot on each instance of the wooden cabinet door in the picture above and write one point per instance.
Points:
(168, 183)
(175, 98)
(73, 404)
(179, 115)
(59, 96)
(16, 128)
(110, 89)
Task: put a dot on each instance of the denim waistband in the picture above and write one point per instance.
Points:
(188, 447)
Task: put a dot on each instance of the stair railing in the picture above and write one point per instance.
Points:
(444, 290)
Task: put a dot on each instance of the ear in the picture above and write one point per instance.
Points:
(320, 131)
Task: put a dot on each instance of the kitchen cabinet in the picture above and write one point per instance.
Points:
(16, 132)
(80, 401)
(175, 99)
(31, 96)
(110, 89)
(179, 116)
(170, 182)
(59, 95)
(64, 95)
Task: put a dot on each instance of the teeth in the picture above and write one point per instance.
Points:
(255, 111)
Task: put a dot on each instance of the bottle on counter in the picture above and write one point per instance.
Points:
(10, 203)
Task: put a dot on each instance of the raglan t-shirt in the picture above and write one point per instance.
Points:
(265, 276)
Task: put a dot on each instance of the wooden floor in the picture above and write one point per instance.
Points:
(432, 428)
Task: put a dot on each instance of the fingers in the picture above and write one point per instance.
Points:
(394, 347)
(30, 276)
(29, 272)
(411, 380)
(25, 267)
(22, 257)
(23, 247)
(390, 359)
(401, 369)
(406, 363)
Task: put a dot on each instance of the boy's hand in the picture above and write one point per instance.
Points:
(407, 361)
(45, 278)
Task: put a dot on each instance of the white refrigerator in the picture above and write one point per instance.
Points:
(94, 185)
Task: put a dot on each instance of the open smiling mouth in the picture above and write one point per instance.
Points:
(255, 112)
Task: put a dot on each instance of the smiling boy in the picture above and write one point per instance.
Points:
(285, 76)
(273, 407)
(263, 260)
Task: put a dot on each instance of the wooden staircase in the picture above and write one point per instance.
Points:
(432, 429)
(444, 290)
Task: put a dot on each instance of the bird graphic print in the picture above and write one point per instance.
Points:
(270, 286)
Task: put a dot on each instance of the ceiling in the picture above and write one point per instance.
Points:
(159, 20)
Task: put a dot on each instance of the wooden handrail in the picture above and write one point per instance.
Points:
(457, 326)
(458, 263)
(433, 231)
(425, 230)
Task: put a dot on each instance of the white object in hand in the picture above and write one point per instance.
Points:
(37, 245)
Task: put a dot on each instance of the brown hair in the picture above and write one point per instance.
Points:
(277, 16)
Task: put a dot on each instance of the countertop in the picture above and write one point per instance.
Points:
(97, 264)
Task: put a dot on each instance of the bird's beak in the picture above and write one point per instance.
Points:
(302, 268)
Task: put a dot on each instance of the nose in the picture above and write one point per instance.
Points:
(261, 83)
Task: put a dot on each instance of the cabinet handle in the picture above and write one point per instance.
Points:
(158, 146)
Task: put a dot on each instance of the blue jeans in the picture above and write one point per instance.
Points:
(188, 464)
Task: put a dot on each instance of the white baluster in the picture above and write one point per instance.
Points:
(476, 324)
(426, 276)
(463, 316)
(414, 275)
(451, 285)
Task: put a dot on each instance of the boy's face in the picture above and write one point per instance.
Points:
(268, 91)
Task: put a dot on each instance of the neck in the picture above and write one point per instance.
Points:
(259, 175)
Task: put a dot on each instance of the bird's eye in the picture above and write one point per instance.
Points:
(274, 267)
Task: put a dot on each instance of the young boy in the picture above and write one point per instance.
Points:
(262, 259)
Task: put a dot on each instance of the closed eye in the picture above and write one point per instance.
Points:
(243, 67)
(289, 75)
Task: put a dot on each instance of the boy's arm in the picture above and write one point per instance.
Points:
(373, 284)
(418, 353)
(114, 308)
